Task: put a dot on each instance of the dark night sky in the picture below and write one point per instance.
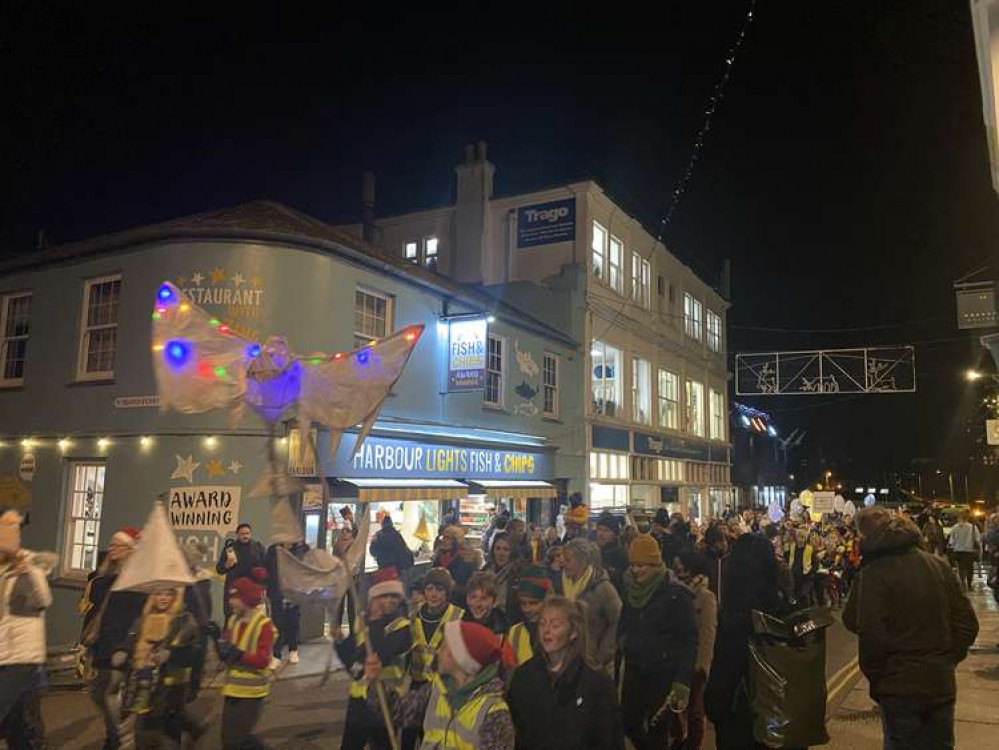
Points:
(845, 174)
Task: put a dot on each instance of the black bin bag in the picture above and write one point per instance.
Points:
(787, 679)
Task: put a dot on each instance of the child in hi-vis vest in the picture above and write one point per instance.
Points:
(246, 649)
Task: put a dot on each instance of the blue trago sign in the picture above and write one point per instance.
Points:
(546, 223)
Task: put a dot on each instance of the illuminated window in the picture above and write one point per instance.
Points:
(372, 317)
(430, 252)
(99, 330)
(615, 254)
(605, 378)
(717, 415)
(693, 313)
(550, 386)
(15, 319)
(695, 408)
(605, 465)
(714, 326)
(641, 279)
(641, 391)
(599, 248)
(411, 251)
(83, 517)
(669, 400)
(493, 393)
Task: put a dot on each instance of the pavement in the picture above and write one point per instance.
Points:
(305, 714)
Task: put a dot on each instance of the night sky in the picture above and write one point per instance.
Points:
(845, 173)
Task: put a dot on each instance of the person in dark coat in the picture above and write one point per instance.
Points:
(285, 615)
(613, 558)
(658, 633)
(238, 559)
(557, 700)
(748, 582)
(504, 565)
(390, 550)
(915, 626)
(461, 562)
(482, 595)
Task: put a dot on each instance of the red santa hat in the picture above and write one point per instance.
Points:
(247, 591)
(386, 583)
(474, 647)
(127, 536)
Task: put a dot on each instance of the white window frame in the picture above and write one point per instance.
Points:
(430, 258)
(411, 251)
(493, 372)
(695, 408)
(362, 338)
(615, 261)
(693, 317)
(75, 515)
(6, 301)
(641, 403)
(86, 330)
(714, 331)
(716, 402)
(669, 408)
(618, 380)
(550, 389)
(598, 251)
(641, 279)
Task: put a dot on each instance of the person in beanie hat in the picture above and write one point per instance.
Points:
(532, 590)
(585, 581)
(915, 625)
(428, 634)
(107, 618)
(391, 638)
(659, 644)
(613, 558)
(245, 649)
(467, 707)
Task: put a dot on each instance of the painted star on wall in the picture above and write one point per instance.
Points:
(185, 468)
(218, 274)
(256, 282)
(237, 279)
(197, 278)
(181, 281)
(215, 468)
(235, 466)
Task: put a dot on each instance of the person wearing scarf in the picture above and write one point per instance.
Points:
(658, 632)
(692, 568)
(583, 580)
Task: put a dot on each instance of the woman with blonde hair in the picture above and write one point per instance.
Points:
(557, 699)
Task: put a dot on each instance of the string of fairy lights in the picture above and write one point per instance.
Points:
(104, 443)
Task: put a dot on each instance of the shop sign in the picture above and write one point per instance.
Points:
(546, 223)
(668, 446)
(823, 502)
(208, 508)
(137, 402)
(13, 494)
(388, 458)
(610, 438)
(992, 431)
(27, 467)
(466, 355)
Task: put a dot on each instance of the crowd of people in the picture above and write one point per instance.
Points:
(568, 638)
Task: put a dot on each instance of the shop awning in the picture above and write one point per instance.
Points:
(381, 490)
(512, 488)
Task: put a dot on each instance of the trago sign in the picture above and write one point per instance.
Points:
(546, 223)
(466, 355)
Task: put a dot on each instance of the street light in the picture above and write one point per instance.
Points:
(973, 375)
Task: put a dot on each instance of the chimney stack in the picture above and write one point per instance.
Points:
(368, 200)
(471, 260)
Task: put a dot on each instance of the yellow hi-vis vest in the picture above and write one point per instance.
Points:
(392, 674)
(242, 681)
(421, 664)
(519, 638)
(445, 730)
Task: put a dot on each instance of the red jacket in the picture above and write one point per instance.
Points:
(260, 658)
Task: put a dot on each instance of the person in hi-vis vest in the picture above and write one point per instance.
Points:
(246, 650)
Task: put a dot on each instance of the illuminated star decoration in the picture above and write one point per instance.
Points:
(235, 466)
(237, 279)
(215, 468)
(197, 278)
(218, 274)
(185, 468)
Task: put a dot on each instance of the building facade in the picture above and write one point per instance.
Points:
(84, 450)
(654, 422)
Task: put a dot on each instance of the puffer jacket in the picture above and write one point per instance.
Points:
(24, 597)
(602, 606)
(915, 624)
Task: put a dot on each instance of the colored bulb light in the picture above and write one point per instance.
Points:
(165, 294)
(214, 323)
(252, 351)
(220, 372)
(364, 356)
(224, 328)
(178, 352)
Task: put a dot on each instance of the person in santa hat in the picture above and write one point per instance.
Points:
(245, 649)
(389, 631)
(107, 618)
(467, 707)
(24, 597)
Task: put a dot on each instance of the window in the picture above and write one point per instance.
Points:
(641, 275)
(83, 517)
(15, 319)
(100, 328)
(411, 251)
(372, 317)
(430, 252)
(424, 251)
(692, 317)
(493, 395)
(669, 400)
(599, 247)
(606, 378)
(605, 465)
(717, 415)
(641, 391)
(615, 252)
(695, 408)
(550, 386)
(714, 327)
